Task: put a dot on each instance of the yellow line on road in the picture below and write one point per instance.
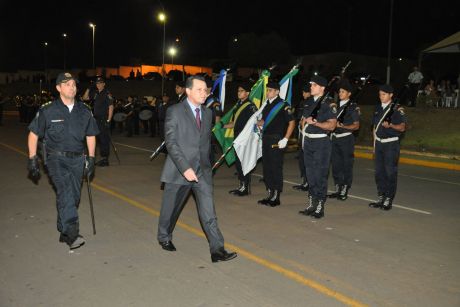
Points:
(264, 262)
(434, 164)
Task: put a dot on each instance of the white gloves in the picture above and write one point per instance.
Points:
(282, 143)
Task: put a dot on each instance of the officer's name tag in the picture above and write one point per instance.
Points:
(57, 120)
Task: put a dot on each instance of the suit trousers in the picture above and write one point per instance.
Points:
(342, 159)
(386, 168)
(174, 197)
(317, 158)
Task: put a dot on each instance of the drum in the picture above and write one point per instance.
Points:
(119, 117)
(145, 114)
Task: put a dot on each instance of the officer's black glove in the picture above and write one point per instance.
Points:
(33, 168)
(89, 167)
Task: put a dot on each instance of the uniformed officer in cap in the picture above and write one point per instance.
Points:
(64, 125)
(320, 121)
(389, 122)
(180, 93)
(277, 125)
(302, 105)
(103, 112)
(343, 141)
(212, 102)
(243, 110)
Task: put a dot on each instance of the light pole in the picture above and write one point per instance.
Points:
(64, 35)
(390, 34)
(172, 52)
(45, 60)
(162, 18)
(92, 25)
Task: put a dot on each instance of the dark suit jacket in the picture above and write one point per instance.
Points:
(188, 146)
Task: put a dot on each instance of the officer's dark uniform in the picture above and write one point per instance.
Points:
(302, 105)
(64, 135)
(273, 158)
(387, 149)
(213, 103)
(241, 114)
(343, 147)
(317, 154)
(102, 101)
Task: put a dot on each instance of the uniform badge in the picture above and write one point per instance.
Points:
(289, 110)
(217, 107)
(401, 110)
(334, 109)
(358, 110)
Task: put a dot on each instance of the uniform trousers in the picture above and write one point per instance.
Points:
(386, 168)
(273, 159)
(66, 175)
(342, 159)
(317, 156)
(103, 138)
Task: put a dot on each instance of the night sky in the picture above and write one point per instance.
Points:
(128, 31)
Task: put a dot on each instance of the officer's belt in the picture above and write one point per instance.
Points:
(67, 154)
(387, 140)
(315, 135)
(341, 135)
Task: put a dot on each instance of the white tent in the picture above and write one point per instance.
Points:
(450, 44)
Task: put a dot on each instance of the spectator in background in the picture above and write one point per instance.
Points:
(415, 80)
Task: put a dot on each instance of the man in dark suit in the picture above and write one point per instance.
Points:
(187, 167)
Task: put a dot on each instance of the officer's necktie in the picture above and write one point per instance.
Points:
(197, 118)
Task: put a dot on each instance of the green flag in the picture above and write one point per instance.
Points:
(258, 90)
(225, 136)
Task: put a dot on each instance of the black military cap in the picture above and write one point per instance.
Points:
(273, 85)
(245, 86)
(321, 81)
(64, 77)
(306, 88)
(387, 88)
(180, 83)
(99, 79)
(346, 85)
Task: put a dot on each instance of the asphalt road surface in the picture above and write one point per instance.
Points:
(355, 256)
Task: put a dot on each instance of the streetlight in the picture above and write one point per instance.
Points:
(45, 60)
(92, 25)
(390, 34)
(64, 35)
(172, 52)
(162, 18)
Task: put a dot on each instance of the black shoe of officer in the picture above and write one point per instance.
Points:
(222, 255)
(336, 194)
(236, 190)
(300, 187)
(265, 200)
(378, 203)
(311, 206)
(103, 162)
(275, 199)
(343, 193)
(319, 210)
(244, 190)
(387, 204)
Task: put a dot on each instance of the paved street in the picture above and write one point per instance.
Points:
(355, 256)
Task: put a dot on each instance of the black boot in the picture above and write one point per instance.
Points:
(336, 193)
(244, 190)
(319, 211)
(343, 193)
(301, 186)
(103, 162)
(378, 203)
(236, 190)
(311, 205)
(275, 199)
(387, 204)
(265, 200)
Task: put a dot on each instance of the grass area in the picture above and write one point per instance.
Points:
(429, 130)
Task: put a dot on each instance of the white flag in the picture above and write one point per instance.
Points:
(248, 144)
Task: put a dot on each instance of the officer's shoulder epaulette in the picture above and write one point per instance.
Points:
(86, 105)
(45, 105)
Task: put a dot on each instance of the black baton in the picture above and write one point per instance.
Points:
(88, 182)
